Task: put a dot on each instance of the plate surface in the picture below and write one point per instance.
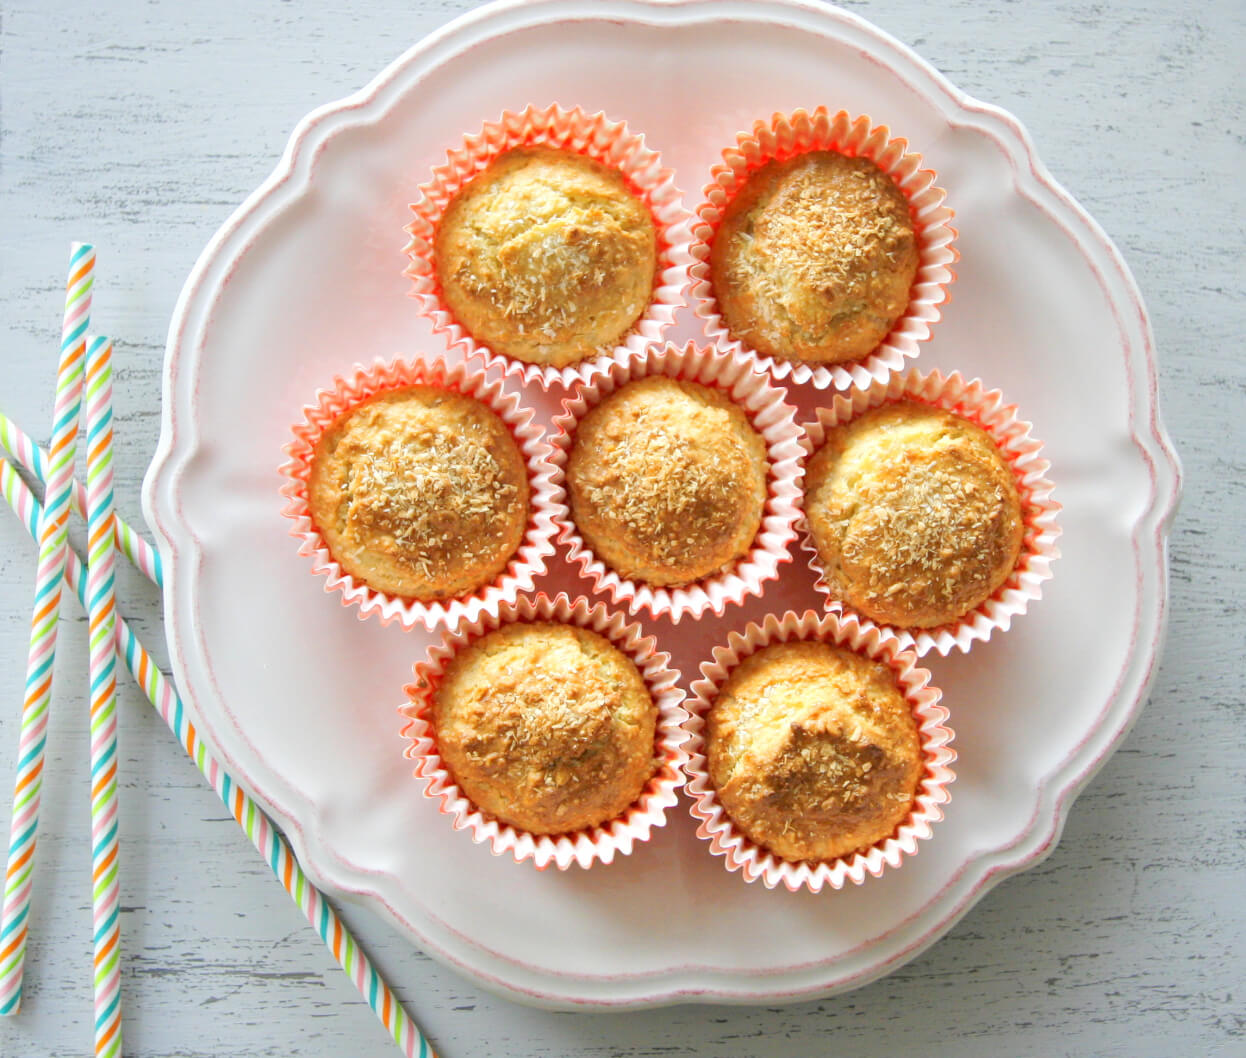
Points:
(300, 697)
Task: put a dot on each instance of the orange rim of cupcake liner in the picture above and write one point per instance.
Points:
(528, 561)
(594, 136)
(784, 137)
(753, 861)
(582, 847)
(767, 410)
(987, 409)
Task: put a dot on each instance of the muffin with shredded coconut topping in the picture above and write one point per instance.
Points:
(547, 256)
(914, 513)
(547, 727)
(815, 258)
(813, 750)
(667, 481)
(420, 492)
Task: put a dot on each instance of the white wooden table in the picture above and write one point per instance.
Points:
(140, 124)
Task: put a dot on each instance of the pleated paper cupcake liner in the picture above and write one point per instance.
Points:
(773, 418)
(753, 861)
(783, 137)
(583, 848)
(345, 393)
(989, 410)
(594, 136)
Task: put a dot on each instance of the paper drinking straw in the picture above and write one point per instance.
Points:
(53, 531)
(264, 836)
(101, 634)
(15, 441)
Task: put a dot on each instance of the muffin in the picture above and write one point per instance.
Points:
(546, 256)
(419, 492)
(815, 258)
(547, 727)
(813, 750)
(666, 481)
(914, 513)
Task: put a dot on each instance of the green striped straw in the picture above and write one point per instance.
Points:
(101, 632)
(52, 535)
(263, 835)
(18, 443)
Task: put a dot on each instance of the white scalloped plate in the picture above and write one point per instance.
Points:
(300, 696)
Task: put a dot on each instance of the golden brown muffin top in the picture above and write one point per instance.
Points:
(915, 514)
(547, 256)
(546, 726)
(420, 492)
(813, 750)
(815, 258)
(667, 480)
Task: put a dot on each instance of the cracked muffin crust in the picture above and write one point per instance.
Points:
(813, 750)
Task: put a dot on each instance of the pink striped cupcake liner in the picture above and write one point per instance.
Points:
(594, 136)
(583, 848)
(766, 407)
(784, 137)
(529, 560)
(989, 410)
(756, 863)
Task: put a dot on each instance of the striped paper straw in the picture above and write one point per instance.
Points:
(53, 532)
(101, 633)
(264, 836)
(15, 441)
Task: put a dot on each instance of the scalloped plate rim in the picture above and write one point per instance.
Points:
(696, 982)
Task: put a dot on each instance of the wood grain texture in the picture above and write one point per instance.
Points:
(140, 124)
